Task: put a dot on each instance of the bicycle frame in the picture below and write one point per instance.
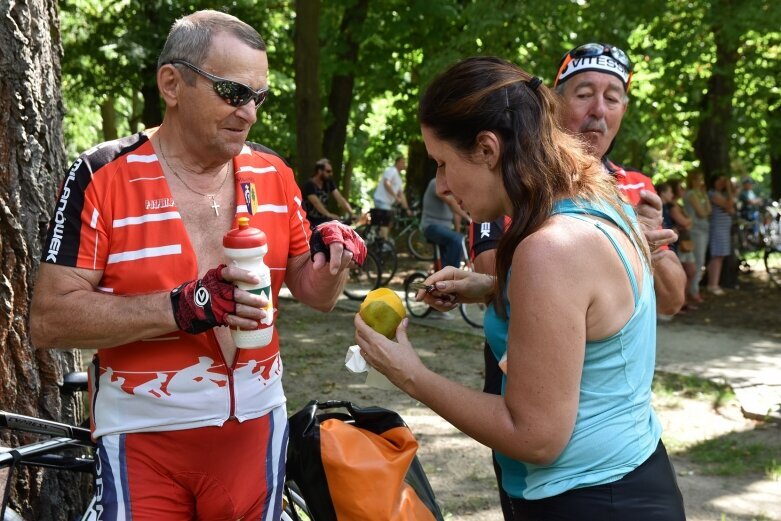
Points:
(44, 453)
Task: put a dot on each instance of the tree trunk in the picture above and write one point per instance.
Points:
(420, 170)
(32, 159)
(109, 116)
(774, 144)
(152, 115)
(341, 93)
(309, 122)
(712, 143)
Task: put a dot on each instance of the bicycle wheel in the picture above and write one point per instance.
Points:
(473, 313)
(389, 259)
(418, 246)
(415, 308)
(362, 279)
(295, 506)
(773, 265)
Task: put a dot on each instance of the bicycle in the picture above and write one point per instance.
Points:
(383, 249)
(70, 448)
(472, 313)
(362, 279)
(417, 245)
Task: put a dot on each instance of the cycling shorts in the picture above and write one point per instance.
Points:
(381, 217)
(231, 472)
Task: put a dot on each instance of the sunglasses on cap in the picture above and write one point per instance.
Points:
(590, 50)
(234, 93)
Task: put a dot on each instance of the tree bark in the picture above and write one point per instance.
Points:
(32, 160)
(712, 143)
(342, 85)
(774, 144)
(109, 116)
(152, 115)
(306, 58)
(420, 170)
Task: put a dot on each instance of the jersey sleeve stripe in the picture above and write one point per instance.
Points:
(146, 179)
(141, 219)
(145, 253)
(263, 208)
(258, 170)
(137, 158)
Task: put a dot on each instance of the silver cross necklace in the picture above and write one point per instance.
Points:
(215, 205)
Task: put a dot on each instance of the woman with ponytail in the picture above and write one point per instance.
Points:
(572, 315)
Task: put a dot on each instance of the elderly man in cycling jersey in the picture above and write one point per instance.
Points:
(593, 79)
(188, 426)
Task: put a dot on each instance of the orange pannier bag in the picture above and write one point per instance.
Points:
(359, 465)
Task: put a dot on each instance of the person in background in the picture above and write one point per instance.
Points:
(697, 206)
(389, 191)
(749, 202)
(484, 238)
(685, 245)
(593, 80)
(317, 191)
(187, 425)
(720, 240)
(440, 221)
(675, 217)
(572, 313)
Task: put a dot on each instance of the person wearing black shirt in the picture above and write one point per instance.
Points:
(316, 192)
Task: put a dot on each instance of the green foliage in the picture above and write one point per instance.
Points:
(110, 51)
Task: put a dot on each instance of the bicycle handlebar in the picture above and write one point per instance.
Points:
(23, 423)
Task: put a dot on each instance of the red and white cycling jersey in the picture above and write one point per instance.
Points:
(115, 213)
(629, 181)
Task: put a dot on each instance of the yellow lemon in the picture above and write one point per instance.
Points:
(383, 310)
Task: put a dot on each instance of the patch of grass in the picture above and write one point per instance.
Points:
(773, 470)
(731, 456)
(671, 386)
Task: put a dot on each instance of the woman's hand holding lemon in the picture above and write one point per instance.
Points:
(380, 318)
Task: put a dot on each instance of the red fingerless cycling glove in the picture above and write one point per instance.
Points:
(202, 304)
(334, 231)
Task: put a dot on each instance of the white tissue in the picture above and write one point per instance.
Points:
(355, 363)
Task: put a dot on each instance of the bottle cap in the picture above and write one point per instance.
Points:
(245, 236)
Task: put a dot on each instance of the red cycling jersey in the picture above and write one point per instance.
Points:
(116, 214)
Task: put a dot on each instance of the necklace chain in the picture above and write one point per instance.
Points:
(214, 204)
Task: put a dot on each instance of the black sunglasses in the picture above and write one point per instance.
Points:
(234, 93)
(591, 50)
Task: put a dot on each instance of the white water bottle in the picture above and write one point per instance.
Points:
(245, 248)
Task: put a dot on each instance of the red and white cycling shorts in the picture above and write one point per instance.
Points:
(231, 472)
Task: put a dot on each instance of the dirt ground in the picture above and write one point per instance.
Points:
(314, 345)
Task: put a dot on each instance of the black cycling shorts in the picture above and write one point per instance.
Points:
(380, 217)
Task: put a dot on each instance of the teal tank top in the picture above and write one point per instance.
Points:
(616, 428)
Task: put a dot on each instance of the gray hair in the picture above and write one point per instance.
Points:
(190, 37)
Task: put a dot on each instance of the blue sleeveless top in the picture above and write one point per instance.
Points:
(616, 429)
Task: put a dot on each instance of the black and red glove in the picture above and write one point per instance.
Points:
(334, 231)
(202, 304)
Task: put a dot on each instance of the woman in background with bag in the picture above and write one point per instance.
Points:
(573, 312)
(676, 218)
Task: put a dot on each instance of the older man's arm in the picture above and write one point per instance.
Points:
(669, 282)
(669, 277)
